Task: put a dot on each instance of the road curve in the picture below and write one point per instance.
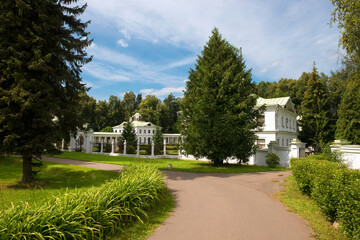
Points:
(222, 206)
(229, 206)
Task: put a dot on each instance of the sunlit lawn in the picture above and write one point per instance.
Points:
(162, 164)
(57, 179)
(53, 179)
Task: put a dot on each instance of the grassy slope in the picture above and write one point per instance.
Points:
(162, 164)
(301, 204)
(56, 179)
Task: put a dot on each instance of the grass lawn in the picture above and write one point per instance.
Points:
(57, 179)
(301, 204)
(53, 179)
(162, 164)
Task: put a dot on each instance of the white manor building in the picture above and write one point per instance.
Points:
(280, 123)
(144, 132)
(278, 134)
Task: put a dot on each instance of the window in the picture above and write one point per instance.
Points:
(287, 121)
(287, 142)
(153, 131)
(278, 141)
(282, 121)
(282, 142)
(260, 143)
(148, 131)
(139, 130)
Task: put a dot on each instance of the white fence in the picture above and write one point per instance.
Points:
(349, 153)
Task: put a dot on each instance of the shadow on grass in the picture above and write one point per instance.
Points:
(52, 176)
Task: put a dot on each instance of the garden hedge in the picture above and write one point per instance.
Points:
(92, 214)
(334, 187)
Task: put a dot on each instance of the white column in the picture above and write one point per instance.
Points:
(152, 148)
(72, 147)
(164, 147)
(112, 146)
(91, 146)
(102, 146)
(125, 147)
(297, 148)
(138, 148)
(62, 145)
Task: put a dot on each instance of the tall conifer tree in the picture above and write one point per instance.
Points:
(218, 109)
(348, 124)
(42, 50)
(316, 126)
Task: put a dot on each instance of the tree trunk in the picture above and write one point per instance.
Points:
(27, 169)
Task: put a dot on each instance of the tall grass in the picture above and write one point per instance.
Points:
(93, 214)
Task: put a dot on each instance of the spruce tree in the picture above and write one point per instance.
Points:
(42, 50)
(158, 140)
(348, 124)
(218, 109)
(316, 126)
(129, 134)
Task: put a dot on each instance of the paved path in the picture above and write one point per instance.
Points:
(223, 206)
(95, 165)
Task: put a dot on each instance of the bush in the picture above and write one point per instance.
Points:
(349, 203)
(93, 214)
(334, 188)
(130, 149)
(272, 160)
(325, 189)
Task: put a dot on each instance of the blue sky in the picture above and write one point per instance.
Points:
(148, 46)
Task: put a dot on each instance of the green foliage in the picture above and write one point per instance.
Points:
(218, 108)
(93, 214)
(347, 14)
(130, 149)
(173, 106)
(130, 105)
(334, 188)
(107, 129)
(272, 160)
(148, 109)
(348, 124)
(158, 136)
(42, 46)
(129, 135)
(316, 127)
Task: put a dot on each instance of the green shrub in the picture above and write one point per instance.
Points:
(349, 204)
(334, 188)
(325, 190)
(107, 147)
(272, 160)
(130, 149)
(93, 214)
(304, 171)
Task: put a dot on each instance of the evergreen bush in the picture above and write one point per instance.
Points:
(272, 160)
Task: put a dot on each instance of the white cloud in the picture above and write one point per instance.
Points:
(126, 34)
(162, 92)
(122, 43)
(105, 73)
(294, 31)
(181, 62)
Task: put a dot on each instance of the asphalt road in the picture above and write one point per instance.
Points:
(223, 206)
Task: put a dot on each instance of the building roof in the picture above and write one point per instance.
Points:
(137, 124)
(284, 102)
